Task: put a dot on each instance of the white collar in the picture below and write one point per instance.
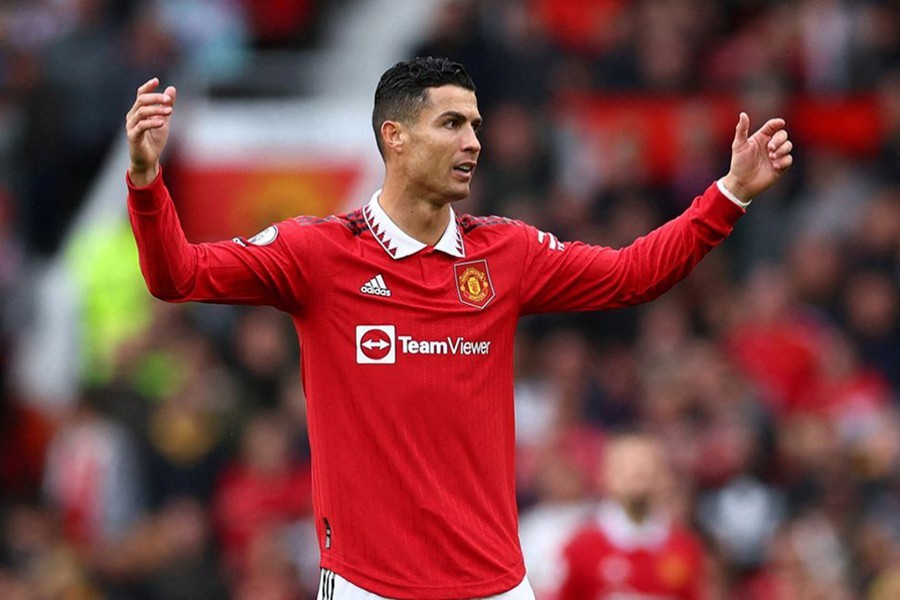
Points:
(626, 534)
(398, 243)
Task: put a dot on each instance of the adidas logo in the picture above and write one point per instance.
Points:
(376, 287)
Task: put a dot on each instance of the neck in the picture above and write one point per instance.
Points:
(420, 217)
(638, 510)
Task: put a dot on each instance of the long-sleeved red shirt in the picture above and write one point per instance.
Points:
(407, 365)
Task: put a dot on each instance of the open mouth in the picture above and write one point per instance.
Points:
(465, 168)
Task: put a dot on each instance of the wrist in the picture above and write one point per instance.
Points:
(723, 189)
(143, 176)
(730, 183)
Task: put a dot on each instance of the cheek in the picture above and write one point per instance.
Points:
(429, 156)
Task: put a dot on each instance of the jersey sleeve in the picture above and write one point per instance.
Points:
(263, 270)
(579, 277)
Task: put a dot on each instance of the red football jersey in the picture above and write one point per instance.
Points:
(612, 558)
(407, 365)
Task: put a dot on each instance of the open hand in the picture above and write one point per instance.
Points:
(147, 127)
(759, 160)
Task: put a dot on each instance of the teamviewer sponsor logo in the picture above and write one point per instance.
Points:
(376, 345)
(380, 344)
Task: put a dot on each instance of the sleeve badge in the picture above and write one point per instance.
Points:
(264, 237)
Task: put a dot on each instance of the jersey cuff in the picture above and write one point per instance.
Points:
(147, 198)
(727, 193)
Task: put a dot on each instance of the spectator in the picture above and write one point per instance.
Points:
(633, 545)
(282, 24)
(93, 476)
(263, 356)
(776, 344)
(258, 500)
(25, 435)
(564, 488)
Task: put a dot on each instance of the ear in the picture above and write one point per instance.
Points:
(393, 136)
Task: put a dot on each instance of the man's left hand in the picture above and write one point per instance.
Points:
(759, 160)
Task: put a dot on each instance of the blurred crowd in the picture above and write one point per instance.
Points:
(767, 385)
(67, 75)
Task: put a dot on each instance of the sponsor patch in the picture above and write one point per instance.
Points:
(265, 237)
(473, 283)
(375, 345)
(381, 345)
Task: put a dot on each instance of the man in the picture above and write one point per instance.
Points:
(406, 314)
(632, 549)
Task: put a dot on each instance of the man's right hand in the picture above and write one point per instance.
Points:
(147, 126)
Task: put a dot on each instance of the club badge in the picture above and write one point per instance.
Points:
(473, 283)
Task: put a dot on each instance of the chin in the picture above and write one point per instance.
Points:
(457, 194)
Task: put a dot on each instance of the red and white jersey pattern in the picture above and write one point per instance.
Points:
(407, 365)
(612, 558)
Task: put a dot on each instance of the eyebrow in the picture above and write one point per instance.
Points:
(453, 114)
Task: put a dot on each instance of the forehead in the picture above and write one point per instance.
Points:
(450, 98)
(626, 454)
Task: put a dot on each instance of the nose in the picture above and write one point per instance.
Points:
(471, 142)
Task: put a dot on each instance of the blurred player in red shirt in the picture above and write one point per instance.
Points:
(406, 313)
(632, 549)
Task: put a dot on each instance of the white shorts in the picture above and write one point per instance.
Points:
(334, 587)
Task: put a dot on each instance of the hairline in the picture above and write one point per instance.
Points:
(425, 100)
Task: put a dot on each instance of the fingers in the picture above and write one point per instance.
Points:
(150, 110)
(779, 138)
(172, 93)
(136, 131)
(151, 99)
(783, 164)
(780, 151)
(148, 86)
(143, 117)
(771, 127)
(136, 127)
(780, 147)
(151, 84)
(147, 105)
(781, 156)
(742, 130)
(146, 96)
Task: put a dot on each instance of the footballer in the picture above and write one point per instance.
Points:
(406, 312)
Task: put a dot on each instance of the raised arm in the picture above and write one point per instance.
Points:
(261, 270)
(576, 276)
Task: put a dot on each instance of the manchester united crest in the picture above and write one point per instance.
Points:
(473, 283)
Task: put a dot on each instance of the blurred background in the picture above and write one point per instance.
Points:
(154, 451)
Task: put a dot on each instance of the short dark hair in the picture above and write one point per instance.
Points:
(401, 90)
